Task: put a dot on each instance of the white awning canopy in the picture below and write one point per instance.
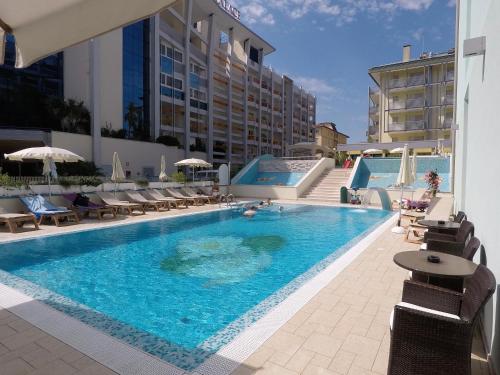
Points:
(42, 28)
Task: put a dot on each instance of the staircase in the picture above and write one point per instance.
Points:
(327, 186)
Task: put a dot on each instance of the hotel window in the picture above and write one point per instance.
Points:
(178, 55)
(136, 88)
(162, 49)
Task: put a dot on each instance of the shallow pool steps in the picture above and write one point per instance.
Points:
(327, 186)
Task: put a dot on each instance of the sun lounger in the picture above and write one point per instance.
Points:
(136, 197)
(192, 193)
(111, 200)
(86, 207)
(13, 220)
(43, 209)
(156, 195)
(177, 194)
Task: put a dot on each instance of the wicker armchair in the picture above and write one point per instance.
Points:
(436, 240)
(459, 217)
(432, 328)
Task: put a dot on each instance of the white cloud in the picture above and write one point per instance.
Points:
(340, 11)
(256, 12)
(316, 86)
(418, 34)
(414, 4)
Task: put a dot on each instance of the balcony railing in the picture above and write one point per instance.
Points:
(448, 100)
(415, 102)
(406, 126)
(373, 129)
(374, 91)
(416, 80)
(397, 105)
(373, 109)
(447, 123)
(396, 83)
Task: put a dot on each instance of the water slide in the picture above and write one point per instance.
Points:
(383, 195)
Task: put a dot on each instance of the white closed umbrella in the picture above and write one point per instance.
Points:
(49, 155)
(42, 28)
(193, 163)
(117, 175)
(414, 167)
(163, 167)
(405, 178)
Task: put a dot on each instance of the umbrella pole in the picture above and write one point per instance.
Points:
(400, 206)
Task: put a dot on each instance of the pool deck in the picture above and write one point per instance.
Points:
(343, 329)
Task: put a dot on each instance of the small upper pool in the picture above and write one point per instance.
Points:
(383, 172)
(274, 178)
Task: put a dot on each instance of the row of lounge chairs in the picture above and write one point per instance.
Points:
(432, 328)
(42, 210)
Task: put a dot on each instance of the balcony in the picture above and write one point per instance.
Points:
(448, 100)
(373, 129)
(397, 104)
(373, 109)
(447, 122)
(406, 126)
(374, 91)
(416, 80)
(397, 83)
(415, 102)
(172, 33)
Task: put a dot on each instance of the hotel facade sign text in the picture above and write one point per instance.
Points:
(226, 5)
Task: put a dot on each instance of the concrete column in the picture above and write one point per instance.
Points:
(229, 150)
(245, 103)
(210, 88)
(259, 123)
(282, 116)
(272, 113)
(155, 98)
(188, 6)
(95, 99)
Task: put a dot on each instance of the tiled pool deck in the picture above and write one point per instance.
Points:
(342, 330)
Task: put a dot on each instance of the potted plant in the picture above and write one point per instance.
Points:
(433, 181)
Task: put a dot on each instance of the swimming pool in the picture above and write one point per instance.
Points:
(181, 288)
(383, 172)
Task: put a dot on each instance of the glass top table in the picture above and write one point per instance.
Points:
(450, 266)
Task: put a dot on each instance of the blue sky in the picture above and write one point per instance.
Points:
(327, 46)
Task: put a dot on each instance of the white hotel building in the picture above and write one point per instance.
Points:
(193, 72)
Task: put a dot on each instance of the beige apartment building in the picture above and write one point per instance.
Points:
(195, 73)
(413, 99)
(327, 135)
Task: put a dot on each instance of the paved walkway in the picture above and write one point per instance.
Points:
(342, 330)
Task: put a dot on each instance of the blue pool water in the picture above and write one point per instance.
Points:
(181, 288)
(383, 172)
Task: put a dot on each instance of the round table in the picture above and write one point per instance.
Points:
(437, 225)
(450, 266)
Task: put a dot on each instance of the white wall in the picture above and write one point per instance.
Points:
(111, 84)
(477, 171)
(76, 73)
